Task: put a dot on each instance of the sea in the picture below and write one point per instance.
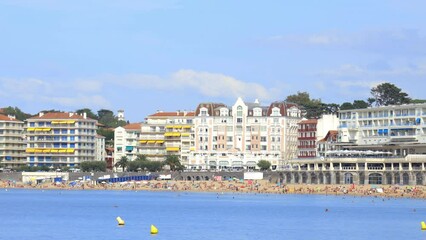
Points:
(91, 214)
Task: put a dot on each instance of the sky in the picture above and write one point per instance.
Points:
(148, 55)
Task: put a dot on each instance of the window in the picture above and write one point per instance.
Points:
(229, 128)
(229, 139)
(72, 131)
(56, 131)
(239, 120)
(263, 139)
(32, 124)
(239, 111)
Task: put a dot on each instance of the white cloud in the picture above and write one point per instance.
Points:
(88, 85)
(79, 101)
(362, 84)
(43, 92)
(205, 83)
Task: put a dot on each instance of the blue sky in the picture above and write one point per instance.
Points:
(143, 55)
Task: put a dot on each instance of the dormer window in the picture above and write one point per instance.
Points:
(275, 112)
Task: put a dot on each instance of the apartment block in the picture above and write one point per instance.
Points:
(167, 133)
(12, 144)
(126, 141)
(60, 139)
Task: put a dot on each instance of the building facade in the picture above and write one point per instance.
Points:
(167, 133)
(12, 144)
(239, 136)
(60, 139)
(307, 139)
(126, 141)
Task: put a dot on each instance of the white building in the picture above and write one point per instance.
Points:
(237, 137)
(12, 145)
(60, 139)
(100, 148)
(167, 133)
(126, 141)
(399, 128)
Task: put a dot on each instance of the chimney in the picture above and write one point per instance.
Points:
(11, 116)
(40, 114)
(84, 115)
(71, 114)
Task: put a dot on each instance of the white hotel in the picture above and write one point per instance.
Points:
(237, 137)
(400, 128)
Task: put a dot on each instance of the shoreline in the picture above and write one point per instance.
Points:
(237, 187)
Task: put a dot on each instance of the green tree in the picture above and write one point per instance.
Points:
(95, 166)
(174, 163)
(15, 111)
(346, 106)
(88, 112)
(314, 107)
(264, 165)
(388, 94)
(123, 162)
(107, 133)
(360, 104)
(418, 101)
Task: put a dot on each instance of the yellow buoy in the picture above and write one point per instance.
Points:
(120, 221)
(154, 230)
(423, 225)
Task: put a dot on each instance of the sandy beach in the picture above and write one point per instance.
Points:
(235, 186)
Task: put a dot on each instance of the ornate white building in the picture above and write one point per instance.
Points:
(239, 136)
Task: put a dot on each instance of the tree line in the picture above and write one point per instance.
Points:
(382, 95)
(141, 163)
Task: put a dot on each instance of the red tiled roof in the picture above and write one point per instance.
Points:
(172, 114)
(99, 136)
(59, 115)
(308, 121)
(332, 134)
(133, 126)
(7, 118)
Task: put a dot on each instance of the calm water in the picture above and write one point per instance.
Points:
(77, 215)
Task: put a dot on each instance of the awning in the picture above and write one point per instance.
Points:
(62, 150)
(38, 150)
(159, 141)
(237, 163)
(129, 148)
(223, 163)
(70, 150)
(46, 150)
(186, 126)
(54, 150)
(29, 150)
(71, 122)
(172, 149)
(177, 126)
(251, 163)
(186, 134)
(38, 129)
(169, 126)
(143, 141)
(151, 141)
(192, 149)
(30, 129)
(212, 163)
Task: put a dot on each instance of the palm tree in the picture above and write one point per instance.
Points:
(174, 162)
(123, 162)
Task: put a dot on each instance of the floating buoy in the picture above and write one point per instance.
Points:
(423, 225)
(120, 221)
(154, 230)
